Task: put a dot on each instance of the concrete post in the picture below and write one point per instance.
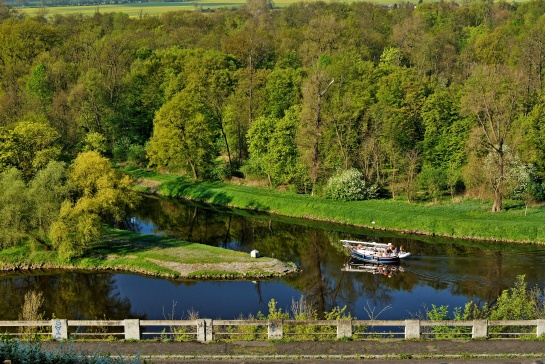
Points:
(412, 329)
(132, 329)
(540, 328)
(201, 331)
(480, 329)
(344, 328)
(204, 330)
(59, 329)
(208, 329)
(275, 330)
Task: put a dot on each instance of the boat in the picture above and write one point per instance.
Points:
(374, 252)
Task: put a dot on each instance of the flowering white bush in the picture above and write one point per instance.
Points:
(349, 185)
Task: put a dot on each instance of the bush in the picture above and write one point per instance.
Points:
(136, 156)
(349, 185)
(32, 352)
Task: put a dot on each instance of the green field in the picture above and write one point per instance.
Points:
(156, 8)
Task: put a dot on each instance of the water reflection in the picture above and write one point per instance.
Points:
(356, 266)
(440, 271)
(447, 270)
(67, 295)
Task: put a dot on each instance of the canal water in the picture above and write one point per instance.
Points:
(440, 272)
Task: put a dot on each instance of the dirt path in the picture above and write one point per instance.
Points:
(270, 267)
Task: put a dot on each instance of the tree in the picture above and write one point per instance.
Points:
(183, 138)
(29, 146)
(97, 196)
(14, 207)
(492, 97)
(315, 90)
(273, 149)
(46, 191)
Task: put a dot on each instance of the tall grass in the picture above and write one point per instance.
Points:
(469, 219)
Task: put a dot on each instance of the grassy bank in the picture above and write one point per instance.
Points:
(469, 219)
(150, 255)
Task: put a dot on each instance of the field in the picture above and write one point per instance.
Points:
(137, 9)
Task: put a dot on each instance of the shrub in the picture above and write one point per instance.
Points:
(136, 156)
(32, 352)
(349, 185)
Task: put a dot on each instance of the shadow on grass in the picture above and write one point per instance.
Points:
(121, 242)
(201, 191)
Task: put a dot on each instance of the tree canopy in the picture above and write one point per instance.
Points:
(425, 101)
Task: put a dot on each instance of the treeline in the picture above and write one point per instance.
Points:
(424, 101)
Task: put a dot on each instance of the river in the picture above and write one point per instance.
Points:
(440, 272)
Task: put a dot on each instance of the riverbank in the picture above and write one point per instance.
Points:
(467, 219)
(150, 255)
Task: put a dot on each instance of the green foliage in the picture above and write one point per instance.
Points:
(38, 84)
(31, 352)
(272, 147)
(519, 303)
(136, 156)
(183, 138)
(95, 141)
(396, 95)
(275, 313)
(46, 192)
(349, 185)
(29, 146)
(98, 194)
(468, 218)
(516, 303)
(14, 208)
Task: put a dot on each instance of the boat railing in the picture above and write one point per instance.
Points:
(206, 330)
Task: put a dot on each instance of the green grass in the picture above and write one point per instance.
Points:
(128, 251)
(155, 8)
(469, 219)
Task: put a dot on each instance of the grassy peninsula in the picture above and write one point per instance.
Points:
(150, 255)
(466, 219)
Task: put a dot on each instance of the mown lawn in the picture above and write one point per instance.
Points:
(133, 252)
(468, 219)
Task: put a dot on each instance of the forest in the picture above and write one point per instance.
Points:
(423, 102)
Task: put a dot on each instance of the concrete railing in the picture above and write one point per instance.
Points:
(205, 330)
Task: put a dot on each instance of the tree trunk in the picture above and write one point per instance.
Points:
(498, 201)
(498, 188)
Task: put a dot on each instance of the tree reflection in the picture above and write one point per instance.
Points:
(66, 295)
(479, 271)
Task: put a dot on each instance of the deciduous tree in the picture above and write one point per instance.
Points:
(97, 195)
(492, 97)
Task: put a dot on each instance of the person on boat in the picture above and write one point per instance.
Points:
(390, 248)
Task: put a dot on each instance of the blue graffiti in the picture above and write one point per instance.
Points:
(58, 326)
